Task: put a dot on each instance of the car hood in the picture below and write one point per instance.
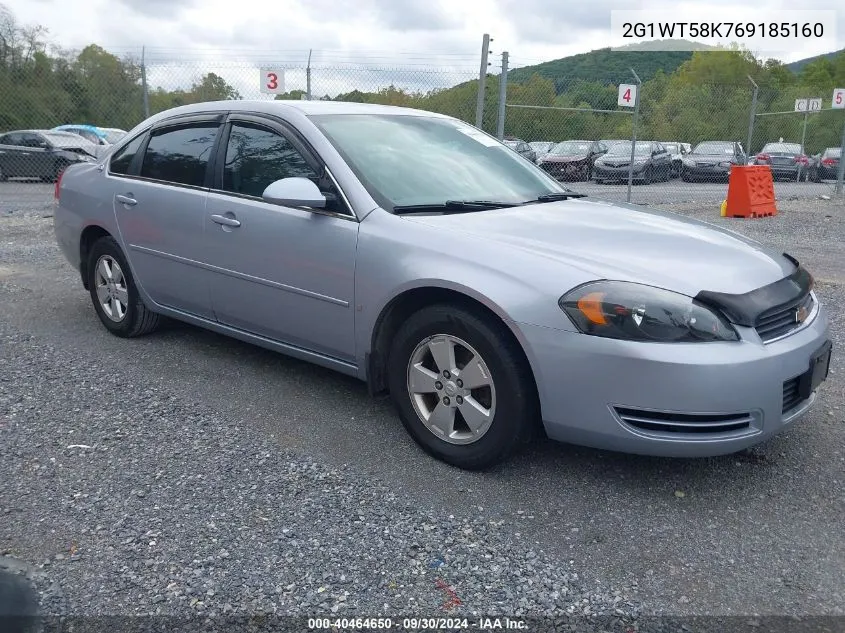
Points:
(624, 242)
(558, 158)
(713, 158)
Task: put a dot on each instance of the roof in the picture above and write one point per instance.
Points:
(308, 108)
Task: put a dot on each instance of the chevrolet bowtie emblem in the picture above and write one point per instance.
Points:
(801, 314)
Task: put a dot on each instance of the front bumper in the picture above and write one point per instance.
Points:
(566, 170)
(589, 387)
(706, 171)
(606, 172)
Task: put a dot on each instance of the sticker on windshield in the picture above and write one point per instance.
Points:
(479, 136)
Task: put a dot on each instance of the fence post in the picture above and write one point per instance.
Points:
(803, 138)
(308, 77)
(634, 133)
(841, 175)
(482, 81)
(752, 116)
(144, 83)
(503, 97)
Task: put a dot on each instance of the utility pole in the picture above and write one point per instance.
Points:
(841, 175)
(634, 133)
(503, 96)
(482, 80)
(308, 77)
(752, 116)
(144, 83)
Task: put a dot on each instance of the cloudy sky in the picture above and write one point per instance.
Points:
(365, 35)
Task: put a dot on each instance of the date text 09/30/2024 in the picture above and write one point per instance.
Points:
(417, 624)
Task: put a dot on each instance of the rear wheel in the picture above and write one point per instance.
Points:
(114, 294)
(648, 176)
(3, 176)
(461, 386)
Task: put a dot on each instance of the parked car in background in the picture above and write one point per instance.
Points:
(786, 160)
(97, 135)
(712, 160)
(484, 297)
(825, 165)
(113, 134)
(572, 160)
(89, 132)
(677, 151)
(42, 154)
(522, 148)
(651, 163)
(541, 148)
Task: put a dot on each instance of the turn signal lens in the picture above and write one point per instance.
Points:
(591, 306)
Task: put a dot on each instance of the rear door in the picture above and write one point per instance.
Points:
(160, 185)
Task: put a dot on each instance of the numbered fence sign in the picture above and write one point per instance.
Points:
(272, 81)
(838, 98)
(627, 95)
(801, 105)
(814, 105)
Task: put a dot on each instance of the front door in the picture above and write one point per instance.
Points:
(281, 272)
(159, 201)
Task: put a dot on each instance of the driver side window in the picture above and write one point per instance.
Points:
(257, 156)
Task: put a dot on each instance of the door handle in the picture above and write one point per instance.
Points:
(127, 200)
(225, 221)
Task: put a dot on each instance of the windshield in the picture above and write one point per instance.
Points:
(672, 148)
(624, 149)
(714, 148)
(782, 148)
(417, 160)
(571, 148)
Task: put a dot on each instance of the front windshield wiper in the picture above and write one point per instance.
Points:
(453, 206)
(560, 195)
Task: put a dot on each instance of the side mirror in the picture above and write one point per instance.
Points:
(294, 192)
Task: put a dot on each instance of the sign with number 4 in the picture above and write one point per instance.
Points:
(272, 81)
(838, 98)
(627, 95)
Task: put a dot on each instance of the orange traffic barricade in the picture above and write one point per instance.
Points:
(751, 192)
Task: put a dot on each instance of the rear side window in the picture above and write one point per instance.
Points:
(123, 157)
(180, 154)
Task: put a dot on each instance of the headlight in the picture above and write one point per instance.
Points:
(725, 163)
(634, 312)
(689, 162)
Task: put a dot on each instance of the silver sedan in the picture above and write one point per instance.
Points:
(421, 255)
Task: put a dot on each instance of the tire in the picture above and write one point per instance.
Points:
(135, 319)
(511, 401)
(3, 176)
(648, 176)
(599, 181)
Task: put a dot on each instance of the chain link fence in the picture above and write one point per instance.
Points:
(688, 138)
(575, 130)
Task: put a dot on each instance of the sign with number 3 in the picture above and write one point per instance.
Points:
(272, 81)
(838, 98)
(627, 95)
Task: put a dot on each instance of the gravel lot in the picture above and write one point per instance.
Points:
(189, 473)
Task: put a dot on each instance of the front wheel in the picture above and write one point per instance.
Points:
(114, 294)
(461, 386)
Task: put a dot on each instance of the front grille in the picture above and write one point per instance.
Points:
(782, 320)
(685, 423)
(791, 396)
